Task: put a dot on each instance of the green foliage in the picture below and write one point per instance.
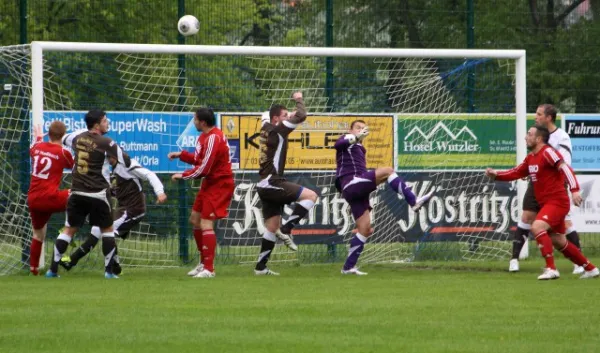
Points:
(561, 44)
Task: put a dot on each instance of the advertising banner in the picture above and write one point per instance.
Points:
(464, 208)
(456, 141)
(584, 131)
(311, 144)
(587, 217)
(145, 136)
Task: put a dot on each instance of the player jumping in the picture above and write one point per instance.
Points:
(356, 183)
(274, 191)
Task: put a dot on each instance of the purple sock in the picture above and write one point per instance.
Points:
(399, 186)
(356, 248)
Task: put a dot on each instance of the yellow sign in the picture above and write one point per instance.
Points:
(311, 145)
(230, 125)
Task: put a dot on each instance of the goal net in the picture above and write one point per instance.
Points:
(439, 117)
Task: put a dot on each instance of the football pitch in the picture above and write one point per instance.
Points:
(427, 307)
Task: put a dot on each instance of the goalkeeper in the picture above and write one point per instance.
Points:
(132, 208)
(356, 183)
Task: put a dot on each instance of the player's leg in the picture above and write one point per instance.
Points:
(68, 262)
(556, 218)
(397, 184)
(530, 209)
(209, 246)
(357, 243)
(573, 238)
(195, 221)
(218, 198)
(540, 229)
(304, 199)
(102, 217)
(272, 214)
(78, 208)
(41, 209)
(39, 222)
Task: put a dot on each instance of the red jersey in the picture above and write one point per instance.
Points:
(211, 159)
(548, 180)
(48, 160)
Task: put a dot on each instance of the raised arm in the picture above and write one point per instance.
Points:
(299, 114)
(345, 141)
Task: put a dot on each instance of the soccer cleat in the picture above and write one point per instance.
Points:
(578, 270)
(354, 271)
(591, 274)
(51, 274)
(265, 272)
(205, 274)
(196, 270)
(287, 240)
(109, 275)
(34, 271)
(66, 263)
(549, 274)
(513, 265)
(422, 201)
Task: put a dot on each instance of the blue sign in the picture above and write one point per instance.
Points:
(146, 136)
(584, 131)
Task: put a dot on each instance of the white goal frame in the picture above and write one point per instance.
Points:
(39, 47)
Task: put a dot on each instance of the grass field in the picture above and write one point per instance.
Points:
(451, 307)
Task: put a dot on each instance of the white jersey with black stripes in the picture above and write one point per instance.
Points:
(560, 141)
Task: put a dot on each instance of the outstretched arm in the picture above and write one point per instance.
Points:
(515, 173)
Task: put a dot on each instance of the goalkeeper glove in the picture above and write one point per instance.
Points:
(363, 133)
(351, 138)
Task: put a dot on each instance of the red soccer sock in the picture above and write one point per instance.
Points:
(572, 253)
(209, 245)
(545, 245)
(34, 253)
(198, 238)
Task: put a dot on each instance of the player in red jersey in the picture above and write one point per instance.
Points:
(48, 160)
(212, 162)
(549, 173)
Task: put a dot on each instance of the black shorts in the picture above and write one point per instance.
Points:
(275, 194)
(529, 201)
(129, 215)
(80, 206)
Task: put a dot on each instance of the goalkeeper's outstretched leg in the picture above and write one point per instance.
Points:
(356, 183)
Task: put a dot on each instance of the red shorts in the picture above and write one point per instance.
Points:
(42, 206)
(214, 198)
(554, 215)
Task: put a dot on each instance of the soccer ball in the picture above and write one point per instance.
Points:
(188, 25)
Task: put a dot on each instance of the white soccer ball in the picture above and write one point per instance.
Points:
(188, 25)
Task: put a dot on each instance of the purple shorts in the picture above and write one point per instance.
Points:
(356, 190)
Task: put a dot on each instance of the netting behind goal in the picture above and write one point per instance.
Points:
(437, 121)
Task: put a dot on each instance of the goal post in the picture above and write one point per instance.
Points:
(412, 96)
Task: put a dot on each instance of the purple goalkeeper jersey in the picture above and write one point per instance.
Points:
(351, 160)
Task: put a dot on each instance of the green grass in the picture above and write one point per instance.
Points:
(422, 307)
